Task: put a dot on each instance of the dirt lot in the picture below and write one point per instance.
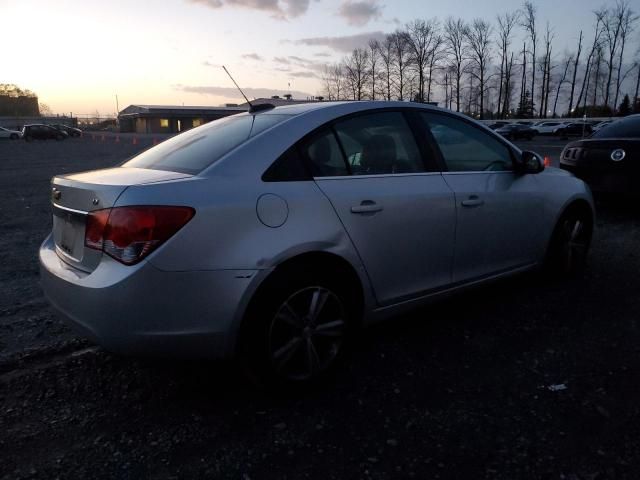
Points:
(529, 378)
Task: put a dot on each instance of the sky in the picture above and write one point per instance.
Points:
(77, 55)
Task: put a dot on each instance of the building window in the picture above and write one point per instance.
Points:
(197, 122)
(164, 123)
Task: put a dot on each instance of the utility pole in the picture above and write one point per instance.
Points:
(117, 110)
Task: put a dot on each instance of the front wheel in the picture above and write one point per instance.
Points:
(297, 332)
(567, 253)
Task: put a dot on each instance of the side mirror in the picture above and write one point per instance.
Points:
(531, 162)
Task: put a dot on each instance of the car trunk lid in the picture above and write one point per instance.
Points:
(74, 196)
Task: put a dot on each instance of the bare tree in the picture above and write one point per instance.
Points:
(612, 24)
(436, 55)
(386, 55)
(454, 39)
(420, 34)
(356, 72)
(402, 61)
(576, 63)
(508, 88)
(529, 24)
(594, 47)
(506, 23)
(479, 40)
(567, 63)
(546, 72)
(374, 60)
(627, 26)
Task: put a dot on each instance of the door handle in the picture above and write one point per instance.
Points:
(367, 206)
(473, 201)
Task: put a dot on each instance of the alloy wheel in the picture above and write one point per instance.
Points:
(575, 236)
(306, 333)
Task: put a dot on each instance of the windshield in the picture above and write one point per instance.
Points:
(193, 151)
(626, 128)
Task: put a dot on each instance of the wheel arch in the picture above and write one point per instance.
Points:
(322, 262)
(579, 204)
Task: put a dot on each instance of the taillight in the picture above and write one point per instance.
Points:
(129, 234)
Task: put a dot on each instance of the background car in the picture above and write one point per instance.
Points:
(609, 161)
(272, 237)
(10, 134)
(42, 132)
(516, 131)
(71, 131)
(547, 128)
(498, 124)
(579, 129)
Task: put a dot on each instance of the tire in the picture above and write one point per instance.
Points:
(569, 246)
(13, 136)
(59, 138)
(297, 330)
(28, 138)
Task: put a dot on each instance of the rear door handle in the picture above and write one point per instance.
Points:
(473, 201)
(367, 206)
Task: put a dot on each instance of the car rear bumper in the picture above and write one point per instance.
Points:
(143, 310)
(605, 181)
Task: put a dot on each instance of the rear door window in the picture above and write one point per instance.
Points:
(379, 144)
(197, 149)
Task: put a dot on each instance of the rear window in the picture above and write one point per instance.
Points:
(627, 128)
(193, 151)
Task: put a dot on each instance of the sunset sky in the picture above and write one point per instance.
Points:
(77, 55)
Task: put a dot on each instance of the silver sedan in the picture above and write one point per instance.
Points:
(272, 236)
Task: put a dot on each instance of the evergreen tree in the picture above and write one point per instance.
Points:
(625, 107)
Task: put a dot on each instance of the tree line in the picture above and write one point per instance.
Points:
(476, 67)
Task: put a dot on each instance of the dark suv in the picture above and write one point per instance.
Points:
(42, 132)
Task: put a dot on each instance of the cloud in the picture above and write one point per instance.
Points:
(280, 9)
(304, 74)
(231, 92)
(359, 13)
(344, 43)
(282, 60)
(322, 54)
(207, 63)
(253, 56)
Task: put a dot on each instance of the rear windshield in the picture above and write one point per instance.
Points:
(627, 128)
(193, 151)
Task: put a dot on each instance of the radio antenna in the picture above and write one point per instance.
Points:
(234, 82)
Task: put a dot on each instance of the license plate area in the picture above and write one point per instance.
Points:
(68, 230)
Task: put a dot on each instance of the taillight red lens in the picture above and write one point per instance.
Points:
(129, 234)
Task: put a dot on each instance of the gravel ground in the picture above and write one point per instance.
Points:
(528, 378)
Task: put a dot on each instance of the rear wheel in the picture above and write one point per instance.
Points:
(14, 136)
(297, 332)
(59, 137)
(28, 138)
(567, 254)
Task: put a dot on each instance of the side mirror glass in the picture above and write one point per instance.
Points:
(531, 162)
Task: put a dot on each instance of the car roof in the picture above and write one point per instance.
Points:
(344, 107)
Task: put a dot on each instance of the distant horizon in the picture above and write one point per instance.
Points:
(172, 54)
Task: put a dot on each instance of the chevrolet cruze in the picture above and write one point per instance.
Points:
(272, 236)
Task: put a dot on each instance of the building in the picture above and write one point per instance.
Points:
(170, 119)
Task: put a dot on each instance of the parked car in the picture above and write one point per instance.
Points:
(609, 161)
(516, 131)
(547, 128)
(10, 134)
(580, 129)
(498, 124)
(42, 132)
(600, 125)
(71, 131)
(272, 237)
